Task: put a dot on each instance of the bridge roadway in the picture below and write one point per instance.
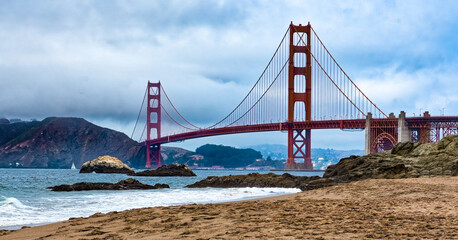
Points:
(413, 122)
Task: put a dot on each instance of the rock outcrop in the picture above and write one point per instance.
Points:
(406, 159)
(127, 184)
(105, 164)
(170, 170)
(285, 180)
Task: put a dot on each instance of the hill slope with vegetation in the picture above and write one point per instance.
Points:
(58, 142)
(228, 157)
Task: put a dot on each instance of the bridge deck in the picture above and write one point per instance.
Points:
(329, 124)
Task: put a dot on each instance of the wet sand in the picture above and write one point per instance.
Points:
(424, 208)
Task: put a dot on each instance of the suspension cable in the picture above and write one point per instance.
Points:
(173, 106)
(174, 119)
(143, 132)
(261, 95)
(259, 79)
(328, 74)
(139, 113)
(345, 72)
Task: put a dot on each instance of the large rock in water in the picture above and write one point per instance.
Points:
(127, 184)
(170, 170)
(105, 164)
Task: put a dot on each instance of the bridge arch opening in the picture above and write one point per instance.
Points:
(383, 142)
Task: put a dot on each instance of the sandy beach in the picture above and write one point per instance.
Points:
(425, 208)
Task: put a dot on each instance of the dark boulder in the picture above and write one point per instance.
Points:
(170, 170)
(253, 180)
(105, 164)
(404, 148)
(454, 169)
(127, 184)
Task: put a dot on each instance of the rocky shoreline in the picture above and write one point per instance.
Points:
(407, 193)
(409, 208)
(405, 160)
(268, 180)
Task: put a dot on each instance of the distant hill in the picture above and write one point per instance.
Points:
(228, 157)
(180, 155)
(57, 142)
(321, 158)
(274, 151)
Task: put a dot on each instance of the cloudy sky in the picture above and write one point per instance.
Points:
(92, 59)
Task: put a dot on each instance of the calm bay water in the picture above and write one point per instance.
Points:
(25, 201)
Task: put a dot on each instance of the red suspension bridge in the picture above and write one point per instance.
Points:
(302, 88)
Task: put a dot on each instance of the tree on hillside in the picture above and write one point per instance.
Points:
(228, 157)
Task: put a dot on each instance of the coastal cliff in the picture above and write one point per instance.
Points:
(58, 142)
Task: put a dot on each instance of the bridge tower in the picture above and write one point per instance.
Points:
(153, 125)
(299, 140)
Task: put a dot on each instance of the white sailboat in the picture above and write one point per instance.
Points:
(73, 166)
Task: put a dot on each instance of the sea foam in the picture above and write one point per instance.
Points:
(59, 207)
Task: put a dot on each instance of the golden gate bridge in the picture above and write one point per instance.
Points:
(301, 88)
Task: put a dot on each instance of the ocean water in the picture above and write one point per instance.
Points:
(25, 201)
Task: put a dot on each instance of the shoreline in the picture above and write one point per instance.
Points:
(271, 194)
(376, 208)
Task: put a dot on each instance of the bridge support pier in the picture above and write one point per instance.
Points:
(404, 134)
(299, 147)
(153, 155)
(367, 139)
